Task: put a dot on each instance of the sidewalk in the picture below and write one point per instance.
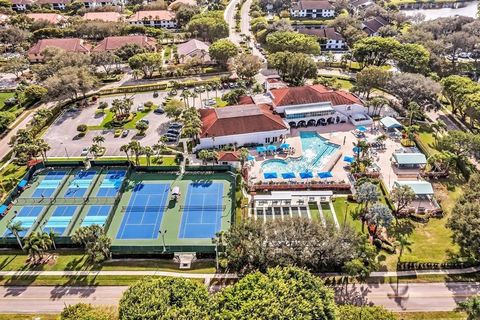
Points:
(379, 274)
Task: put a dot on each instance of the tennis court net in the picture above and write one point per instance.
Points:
(202, 208)
(143, 208)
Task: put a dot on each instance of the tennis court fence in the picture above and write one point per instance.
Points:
(101, 200)
(21, 201)
(202, 208)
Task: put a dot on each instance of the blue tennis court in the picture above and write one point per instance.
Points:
(144, 212)
(28, 215)
(80, 184)
(96, 215)
(49, 184)
(60, 219)
(202, 213)
(111, 183)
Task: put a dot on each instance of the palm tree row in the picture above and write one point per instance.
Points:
(192, 123)
(26, 147)
(133, 148)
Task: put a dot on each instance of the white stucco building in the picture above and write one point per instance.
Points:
(318, 105)
(312, 9)
(154, 18)
(240, 125)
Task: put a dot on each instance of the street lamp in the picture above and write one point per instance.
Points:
(162, 233)
(66, 152)
(215, 241)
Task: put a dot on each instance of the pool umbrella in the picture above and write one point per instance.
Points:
(288, 175)
(261, 149)
(284, 146)
(362, 129)
(325, 174)
(348, 159)
(270, 175)
(250, 157)
(306, 175)
(271, 147)
(356, 149)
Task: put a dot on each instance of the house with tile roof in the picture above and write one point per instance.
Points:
(54, 4)
(231, 158)
(21, 5)
(154, 18)
(318, 105)
(66, 44)
(240, 125)
(53, 18)
(329, 38)
(114, 43)
(193, 49)
(372, 25)
(103, 16)
(312, 9)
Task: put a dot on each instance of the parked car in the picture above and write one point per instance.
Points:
(172, 139)
(173, 131)
(117, 133)
(172, 92)
(85, 151)
(209, 102)
(155, 94)
(125, 133)
(231, 85)
(159, 111)
(144, 120)
(141, 107)
(199, 89)
(170, 134)
(176, 125)
(208, 87)
(225, 85)
(219, 86)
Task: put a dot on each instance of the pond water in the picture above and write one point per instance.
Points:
(470, 10)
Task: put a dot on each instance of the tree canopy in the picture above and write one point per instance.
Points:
(294, 68)
(292, 41)
(222, 50)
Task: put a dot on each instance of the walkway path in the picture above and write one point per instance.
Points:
(396, 297)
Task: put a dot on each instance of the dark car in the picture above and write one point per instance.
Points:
(173, 131)
(172, 139)
(125, 133)
(225, 85)
(175, 125)
(159, 111)
(144, 120)
(171, 135)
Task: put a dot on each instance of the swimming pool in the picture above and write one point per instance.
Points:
(315, 152)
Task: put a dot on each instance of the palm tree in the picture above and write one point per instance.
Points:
(36, 244)
(213, 156)
(15, 227)
(148, 152)
(185, 95)
(243, 155)
(51, 234)
(438, 127)
(126, 148)
(471, 307)
(43, 147)
(94, 150)
(136, 149)
(405, 244)
(99, 140)
(204, 155)
(193, 95)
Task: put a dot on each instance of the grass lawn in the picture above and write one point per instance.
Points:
(220, 103)
(75, 260)
(343, 210)
(5, 96)
(314, 212)
(9, 177)
(445, 315)
(109, 115)
(327, 213)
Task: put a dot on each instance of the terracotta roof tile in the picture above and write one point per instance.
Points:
(311, 94)
(67, 44)
(228, 156)
(103, 16)
(53, 18)
(239, 119)
(113, 43)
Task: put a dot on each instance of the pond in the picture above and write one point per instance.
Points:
(470, 10)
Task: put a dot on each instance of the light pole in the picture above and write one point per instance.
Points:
(66, 152)
(215, 240)
(162, 233)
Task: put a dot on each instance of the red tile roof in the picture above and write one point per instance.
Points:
(103, 16)
(153, 15)
(113, 43)
(53, 18)
(311, 94)
(228, 156)
(239, 119)
(67, 44)
(245, 100)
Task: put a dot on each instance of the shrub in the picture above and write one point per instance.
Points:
(82, 128)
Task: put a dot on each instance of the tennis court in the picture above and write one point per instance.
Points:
(202, 212)
(144, 212)
(80, 184)
(96, 215)
(49, 184)
(60, 219)
(111, 183)
(27, 215)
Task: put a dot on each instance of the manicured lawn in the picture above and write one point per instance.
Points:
(314, 212)
(220, 103)
(109, 115)
(5, 96)
(446, 315)
(327, 213)
(344, 215)
(75, 260)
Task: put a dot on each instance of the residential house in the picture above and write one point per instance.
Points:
(89, 4)
(67, 44)
(329, 38)
(318, 105)
(372, 25)
(154, 18)
(53, 18)
(360, 5)
(231, 158)
(424, 200)
(240, 125)
(21, 5)
(312, 9)
(103, 16)
(193, 49)
(54, 4)
(114, 43)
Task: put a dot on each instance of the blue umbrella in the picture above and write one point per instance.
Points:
(356, 149)
(306, 175)
(326, 174)
(288, 175)
(284, 146)
(261, 149)
(348, 159)
(362, 129)
(270, 175)
(250, 157)
(271, 147)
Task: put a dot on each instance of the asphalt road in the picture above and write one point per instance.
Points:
(405, 297)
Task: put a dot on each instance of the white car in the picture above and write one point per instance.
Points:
(85, 151)
(140, 107)
(209, 102)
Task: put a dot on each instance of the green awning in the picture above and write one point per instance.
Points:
(410, 158)
(419, 187)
